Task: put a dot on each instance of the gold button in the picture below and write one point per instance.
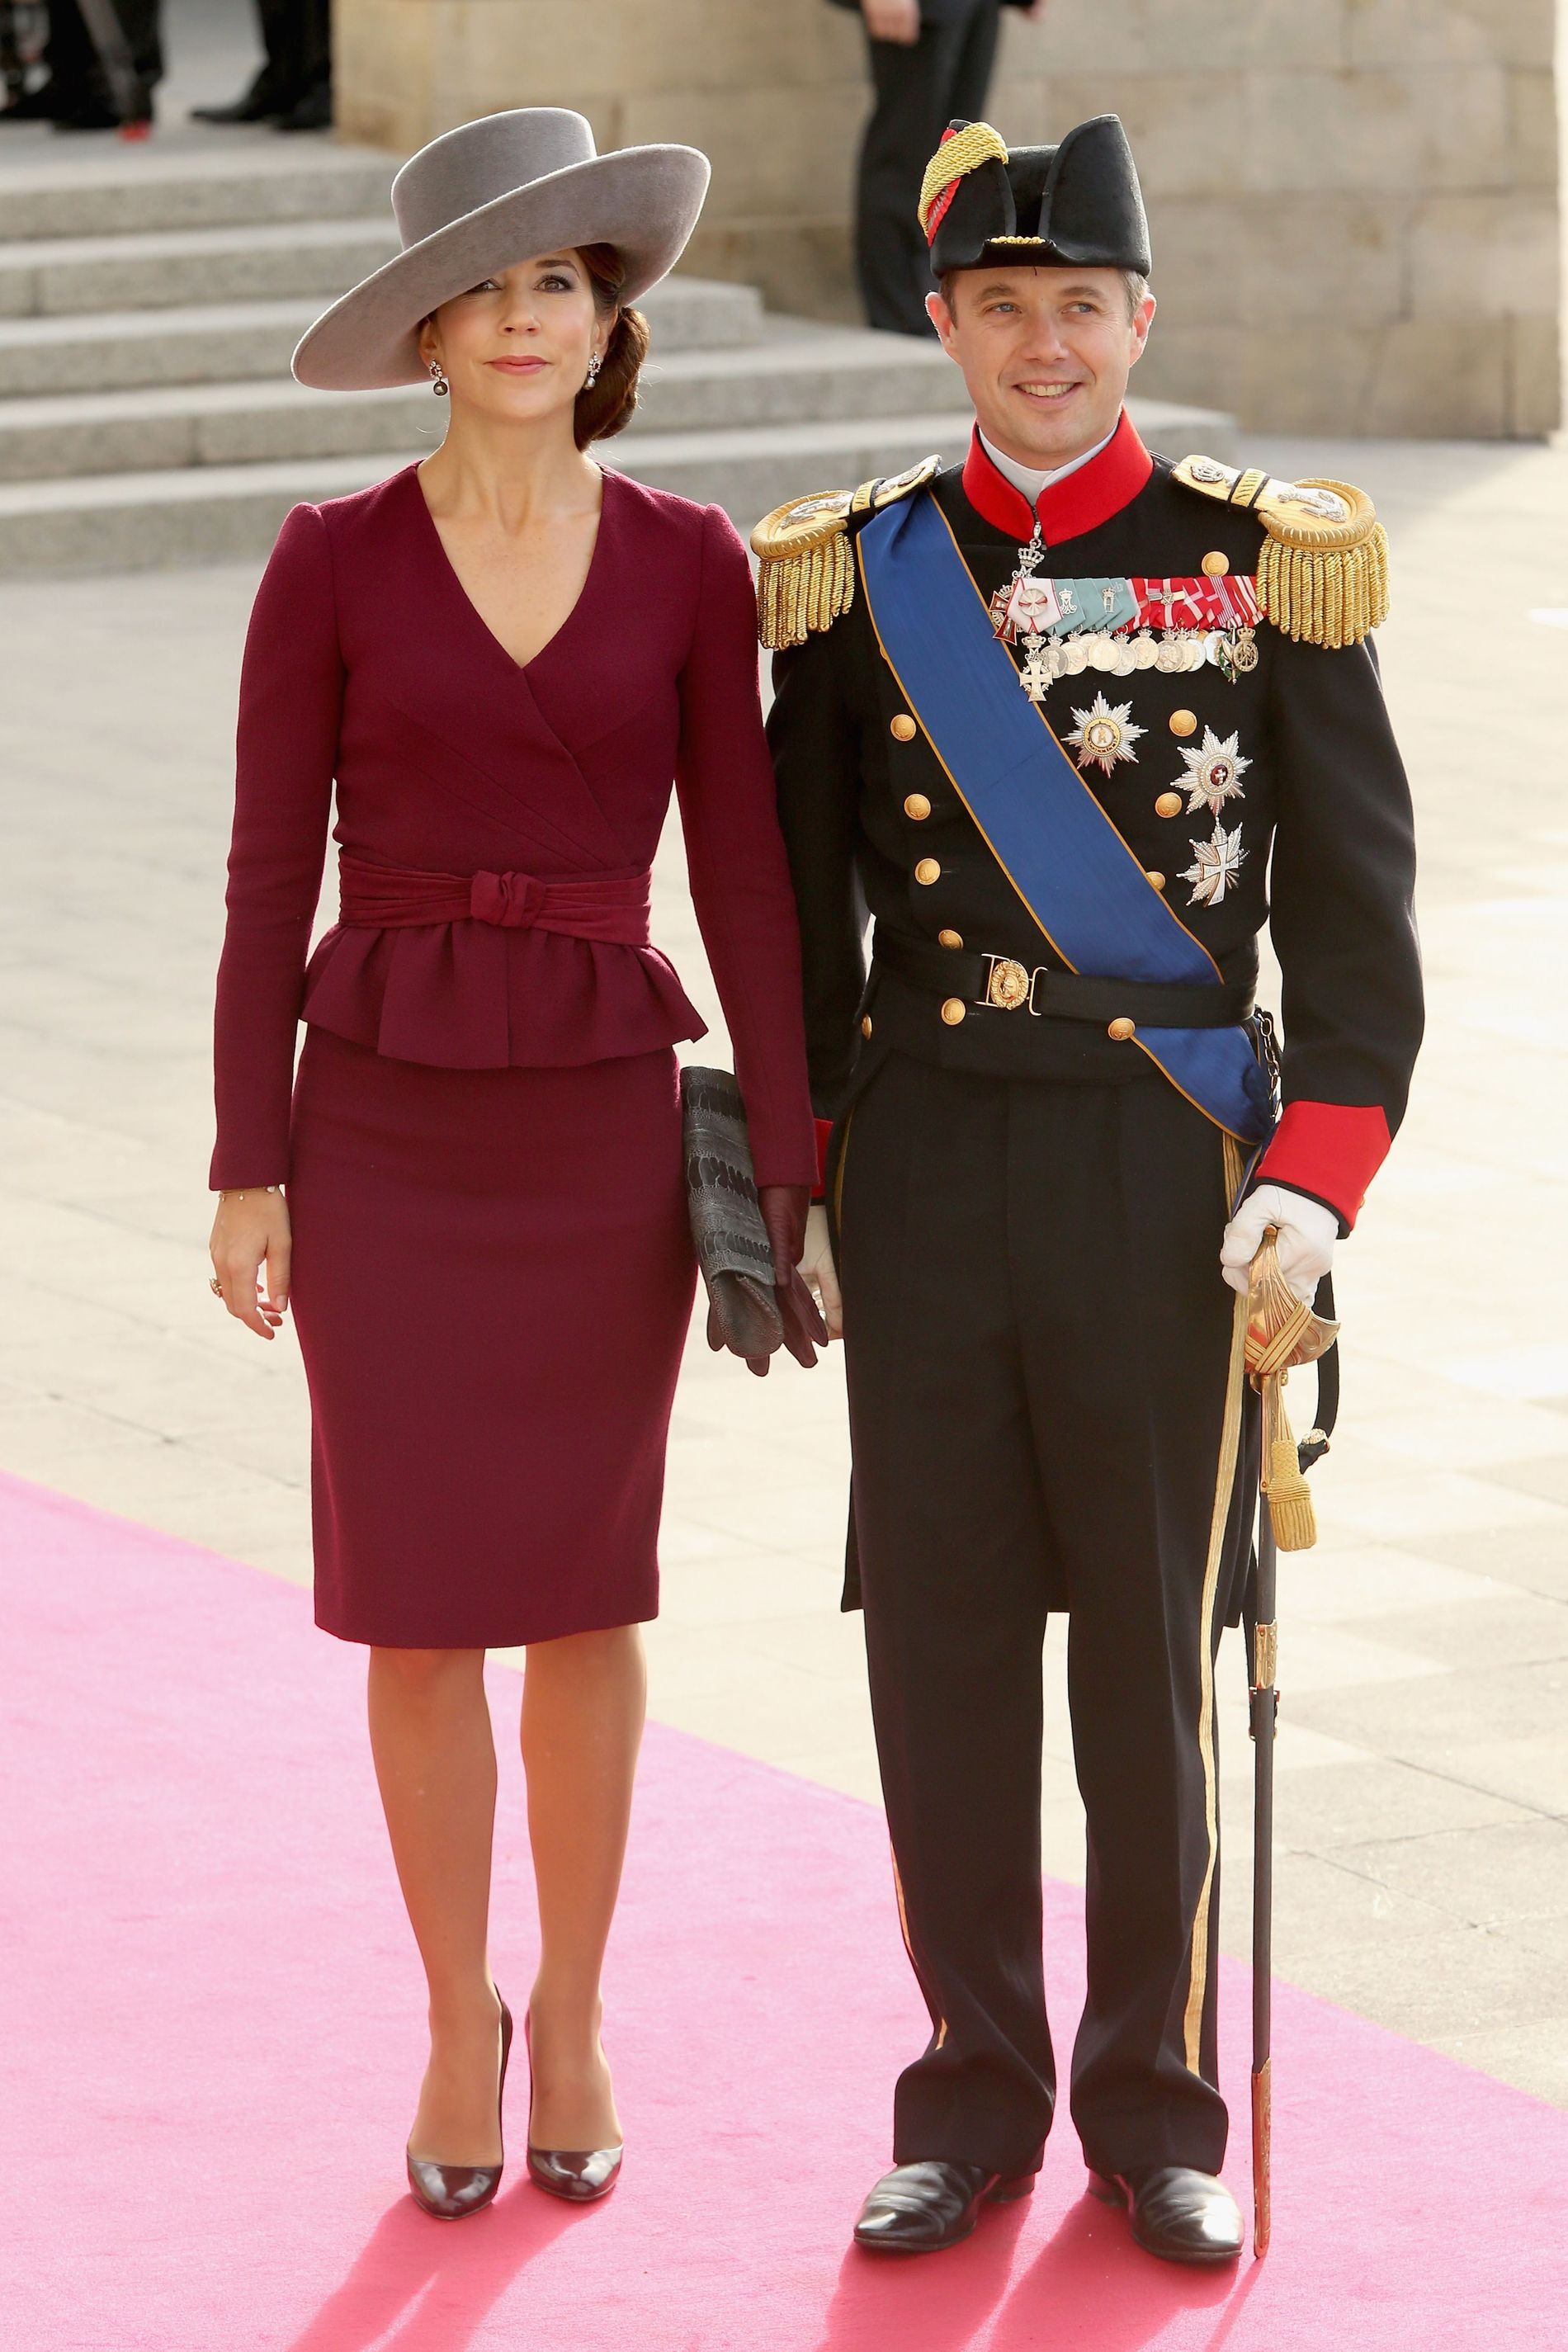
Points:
(1215, 565)
(928, 870)
(1120, 1029)
(865, 1024)
(954, 1011)
(1168, 804)
(1157, 879)
(950, 939)
(1183, 722)
(904, 727)
(918, 806)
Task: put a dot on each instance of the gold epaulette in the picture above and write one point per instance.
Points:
(1323, 570)
(805, 571)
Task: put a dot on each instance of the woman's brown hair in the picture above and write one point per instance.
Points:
(607, 406)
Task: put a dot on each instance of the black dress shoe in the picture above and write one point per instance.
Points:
(922, 2208)
(313, 112)
(93, 114)
(262, 103)
(45, 104)
(450, 2191)
(1179, 2215)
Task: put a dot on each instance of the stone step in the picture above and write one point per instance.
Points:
(170, 268)
(822, 377)
(115, 350)
(129, 521)
(223, 341)
(830, 373)
(71, 195)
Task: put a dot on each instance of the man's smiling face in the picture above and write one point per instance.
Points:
(1045, 354)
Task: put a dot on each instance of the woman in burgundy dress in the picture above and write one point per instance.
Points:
(472, 1195)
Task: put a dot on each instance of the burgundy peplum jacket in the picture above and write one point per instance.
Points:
(366, 664)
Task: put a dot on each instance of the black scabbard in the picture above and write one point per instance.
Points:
(1262, 1644)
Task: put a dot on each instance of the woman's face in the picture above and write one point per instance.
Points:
(518, 345)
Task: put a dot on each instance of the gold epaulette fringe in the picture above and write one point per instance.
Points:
(1330, 592)
(1323, 570)
(805, 565)
(806, 570)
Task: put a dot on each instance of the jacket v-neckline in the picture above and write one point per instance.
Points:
(524, 671)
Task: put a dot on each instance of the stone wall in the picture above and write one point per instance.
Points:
(1356, 202)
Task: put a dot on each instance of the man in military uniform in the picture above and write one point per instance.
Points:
(1060, 718)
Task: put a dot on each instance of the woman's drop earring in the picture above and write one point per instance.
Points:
(595, 364)
(439, 385)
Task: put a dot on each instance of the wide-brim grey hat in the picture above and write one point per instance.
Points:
(483, 197)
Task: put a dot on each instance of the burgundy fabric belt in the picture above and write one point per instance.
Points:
(587, 906)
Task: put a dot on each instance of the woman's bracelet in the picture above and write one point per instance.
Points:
(254, 1188)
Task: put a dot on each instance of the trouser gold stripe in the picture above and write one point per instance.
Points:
(838, 1171)
(1230, 1439)
(904, 1932)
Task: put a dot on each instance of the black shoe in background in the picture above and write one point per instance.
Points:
(45, 104)
(92, 115)
(315, 111)
(264, 101)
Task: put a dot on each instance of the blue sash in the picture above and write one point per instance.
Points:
(1063, 855)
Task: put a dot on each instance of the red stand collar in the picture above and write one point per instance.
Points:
(1083, 503)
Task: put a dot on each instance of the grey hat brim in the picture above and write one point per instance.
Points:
(645, 201)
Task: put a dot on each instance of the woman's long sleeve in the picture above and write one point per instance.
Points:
(735, 857)
(290, 704)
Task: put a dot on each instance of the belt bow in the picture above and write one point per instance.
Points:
(515, 901)
(609, 906)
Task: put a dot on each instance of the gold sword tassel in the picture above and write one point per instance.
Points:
(1281, 1332)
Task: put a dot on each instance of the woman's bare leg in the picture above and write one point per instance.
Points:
(583, 1705)
(435, 1765)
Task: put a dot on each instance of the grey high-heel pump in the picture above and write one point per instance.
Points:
(579, 2175)
(449, 2192)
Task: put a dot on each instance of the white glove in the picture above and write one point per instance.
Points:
(818, 1271)
(1308, 1232)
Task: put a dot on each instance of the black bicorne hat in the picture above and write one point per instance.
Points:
(1076, 206)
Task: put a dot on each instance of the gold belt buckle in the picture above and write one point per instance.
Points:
(1007, 985)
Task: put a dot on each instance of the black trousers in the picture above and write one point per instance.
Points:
(919, 89)
(298, 39)
(73, 62)
(1045, 1396)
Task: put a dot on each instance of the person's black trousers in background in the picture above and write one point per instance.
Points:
(297, 36)
(1048, 1409)
(76, 75)
(920, 88)
(295, 78)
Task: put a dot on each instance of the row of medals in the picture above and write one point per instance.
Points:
(1233, 652)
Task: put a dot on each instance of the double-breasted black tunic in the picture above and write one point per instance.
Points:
(1323, 813)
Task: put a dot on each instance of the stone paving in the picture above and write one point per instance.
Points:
(1423, 1875)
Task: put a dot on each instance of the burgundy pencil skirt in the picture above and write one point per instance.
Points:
(492, 1281)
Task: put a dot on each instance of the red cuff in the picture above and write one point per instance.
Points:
(824, 1131)
(1331, 1150)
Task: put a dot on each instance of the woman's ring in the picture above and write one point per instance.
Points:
(215, 1287)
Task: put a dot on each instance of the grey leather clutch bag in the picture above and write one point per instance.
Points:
(733, 1251)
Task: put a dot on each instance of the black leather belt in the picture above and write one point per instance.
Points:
(1000, 984)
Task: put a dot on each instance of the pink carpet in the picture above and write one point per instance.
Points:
(212, 2020)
